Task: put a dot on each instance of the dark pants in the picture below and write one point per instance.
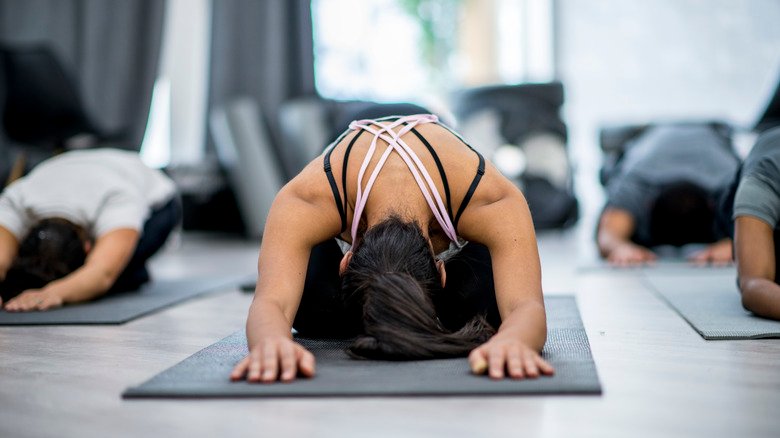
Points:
(156, 230)
(323, 312)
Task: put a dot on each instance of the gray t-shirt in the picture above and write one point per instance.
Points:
(667, 154)
(100, 190)
(758, 194)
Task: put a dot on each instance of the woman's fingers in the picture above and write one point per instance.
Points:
(255, 366)
(514, 360)
(270, 363)
(288, 362)
(33, 300)
(12, 305)
(275, 361)
(24, 302)
(544, 366)
(239, 371)
(531, 370)
(306, 362)
(514, 363)
(496, 362)
(478, 361)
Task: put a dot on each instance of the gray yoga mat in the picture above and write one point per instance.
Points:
(123, 307)
(670, 259)
(662, 267)
(711, 304)
(205, 374)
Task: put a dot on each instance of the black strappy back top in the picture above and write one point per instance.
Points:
(341, 200)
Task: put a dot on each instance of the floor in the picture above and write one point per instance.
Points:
(659, 377)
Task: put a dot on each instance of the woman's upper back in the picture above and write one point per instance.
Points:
(99, 189)
(458, 173)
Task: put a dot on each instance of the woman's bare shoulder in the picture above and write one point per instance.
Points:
(496, 199)
(496, 185)
(306, 206)
(311, 184)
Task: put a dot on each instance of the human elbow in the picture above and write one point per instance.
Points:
(105, 279)
(747, 290)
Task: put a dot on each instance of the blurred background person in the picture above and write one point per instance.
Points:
(81, 224)
(756, 215)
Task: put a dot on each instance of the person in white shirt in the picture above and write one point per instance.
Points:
(82, 224)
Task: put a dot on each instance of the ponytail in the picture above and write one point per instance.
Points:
(394, 275)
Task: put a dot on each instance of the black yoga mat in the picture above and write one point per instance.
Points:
(123, 307)
(205, 374)
(711, 304)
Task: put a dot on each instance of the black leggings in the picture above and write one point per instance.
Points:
(157, 228)
(469, 291)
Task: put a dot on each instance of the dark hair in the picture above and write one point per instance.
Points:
(52, 249)
(682, 213)
(393, 275)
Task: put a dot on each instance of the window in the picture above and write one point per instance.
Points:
(392, 50)
(366, 50)
(176, 128)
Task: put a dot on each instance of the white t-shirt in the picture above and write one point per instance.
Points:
(100, 190)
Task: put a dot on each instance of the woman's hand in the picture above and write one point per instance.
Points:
(272, 359)
(717, 254)
(503, 356)
(34, 299)
(630, 254)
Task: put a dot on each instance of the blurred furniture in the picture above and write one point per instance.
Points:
(361, 110)
(309, 124)
(245, 152)
(519, 128)
(305, 130)
(208, 200)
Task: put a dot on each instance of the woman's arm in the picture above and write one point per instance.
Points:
(104, 263)
(755, 254)
(614, 239)
(8, 250)
(509, 235)
(300, 218)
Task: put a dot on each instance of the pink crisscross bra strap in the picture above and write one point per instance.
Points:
(386, 130)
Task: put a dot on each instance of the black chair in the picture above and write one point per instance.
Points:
(525, 112)
(344, 112)
(524, 108)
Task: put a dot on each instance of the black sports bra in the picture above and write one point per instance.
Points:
(341, 205)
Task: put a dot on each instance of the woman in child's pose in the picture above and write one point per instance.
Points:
(434, 256)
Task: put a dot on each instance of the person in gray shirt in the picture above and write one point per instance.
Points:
(664, 192)
(79, 225)
(756, 216)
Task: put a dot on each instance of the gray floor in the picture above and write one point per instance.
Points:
(660, 378)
